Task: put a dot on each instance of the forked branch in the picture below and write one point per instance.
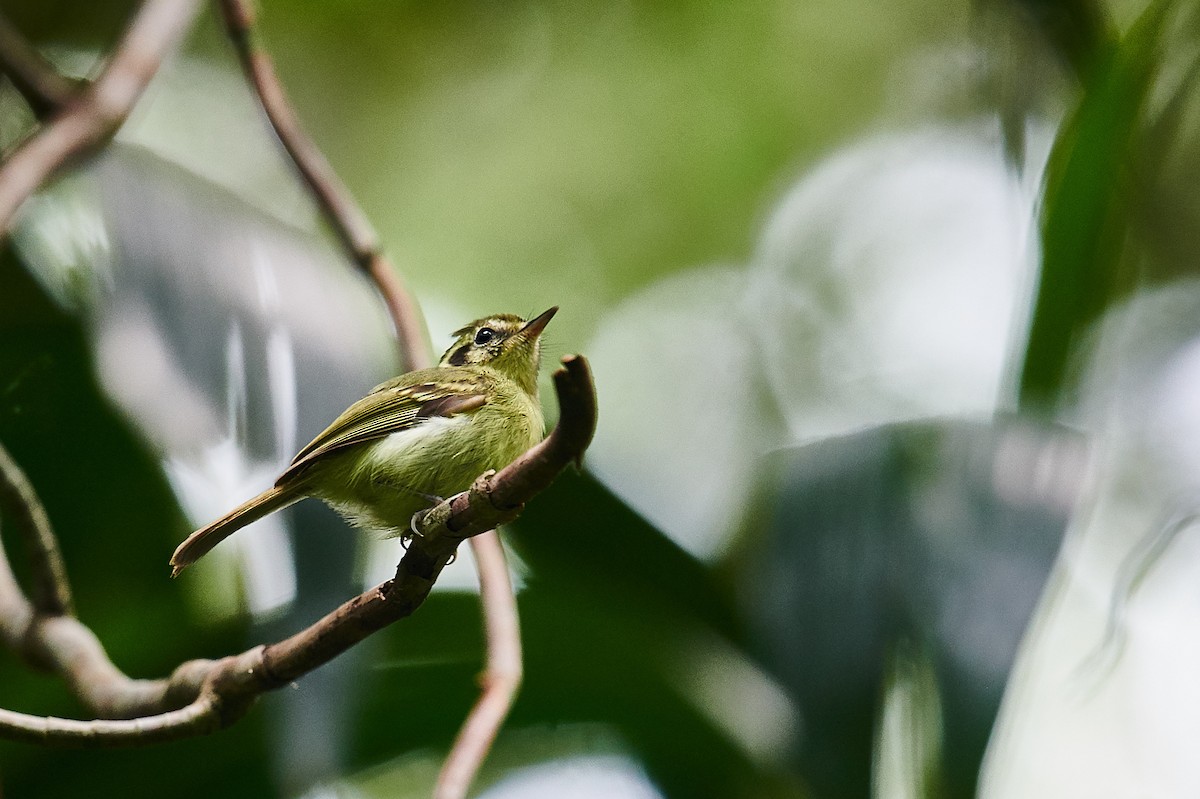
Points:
(346, 218)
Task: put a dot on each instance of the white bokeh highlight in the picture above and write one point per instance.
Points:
(579, 777)
(889, 284)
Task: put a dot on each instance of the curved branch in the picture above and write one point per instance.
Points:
(62, 644)
(52, 592)
(500, 681)
(93, 118)
(201, 695)
(349, 222)
(193, 719)
(41, 631)
(16, 613)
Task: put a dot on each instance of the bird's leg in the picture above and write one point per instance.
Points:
(432, 499)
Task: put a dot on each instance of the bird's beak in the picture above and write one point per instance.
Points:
(534, 327)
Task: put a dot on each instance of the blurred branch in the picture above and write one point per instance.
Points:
(201, 696)
(87, 123)
(502, 674)
(49, 638)
(52, 593)
(500, 681)
(44, 89)
(347, 218)
(197, 717)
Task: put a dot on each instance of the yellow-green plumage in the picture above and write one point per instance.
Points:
(417, 437)
(381, 484)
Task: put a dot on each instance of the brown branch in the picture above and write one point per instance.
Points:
(346, 217)
(197, 717)
(16, 613)
(200, 695)
(84, 125)
(41, 631)
(43, 87)
(500, 680)
(63, 645)
(52, 592)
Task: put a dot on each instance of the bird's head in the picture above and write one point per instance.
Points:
(504, 342)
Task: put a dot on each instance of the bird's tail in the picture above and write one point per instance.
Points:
(200, 542)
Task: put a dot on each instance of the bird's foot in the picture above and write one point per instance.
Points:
(434, 500)
(414, 530)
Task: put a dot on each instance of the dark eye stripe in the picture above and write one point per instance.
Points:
(459, 356)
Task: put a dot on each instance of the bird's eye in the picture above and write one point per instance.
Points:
(484, 335)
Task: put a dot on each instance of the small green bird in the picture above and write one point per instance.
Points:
(415, 439)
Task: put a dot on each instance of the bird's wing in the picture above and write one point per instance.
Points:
(386, 410)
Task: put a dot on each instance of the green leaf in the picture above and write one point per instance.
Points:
(1085, 218)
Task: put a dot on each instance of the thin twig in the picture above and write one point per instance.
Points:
(16, 613)
(501, 679)
(52, 592)
(201, 696)
(193, 719)
(93, 118)
(43, 87)
(346, 217)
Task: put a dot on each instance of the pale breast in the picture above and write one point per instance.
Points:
(389, 480)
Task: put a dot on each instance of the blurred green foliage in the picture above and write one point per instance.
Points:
(597, 146)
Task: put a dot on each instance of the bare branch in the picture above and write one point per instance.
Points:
(86, 124)
(16, 613)
(201, 695)
(501, 679)
(60, 643)
(69, 648)
(42, 632)
(198, 717)
(346, 217)
(51, 591)
(44, 89)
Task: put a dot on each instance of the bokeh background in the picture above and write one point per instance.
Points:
(896, 333)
